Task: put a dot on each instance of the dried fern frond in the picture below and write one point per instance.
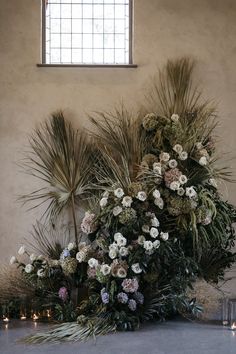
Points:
(120, 140)
(91, 328)
(13, 284)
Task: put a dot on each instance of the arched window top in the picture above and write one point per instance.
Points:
(87, 32)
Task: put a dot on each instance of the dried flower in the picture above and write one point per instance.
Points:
(71, 246)
(190, 192)
(121, 241)
(150, 122)
(130, 285)
(146, 228)
(139, 298)
(173, 163)
(128, 216)
(154, 232)
(141, 240)
(132, 304)
(124, 251)
(136, 268)
(203, 161)
(183, 179)
(178, 148)
(172, 175)
(142, 196)
(81, 256)
(41, 273)
(213, 182)
(174, 118)
(147, 245)
(156, 244)
(180, 191)
(155, 222)
(164, 156)
(29, 268)
(103, 202)
(104, 296)
(63, 293)
(159, 202)
(69, 265)
(93, 263)
(164, 236)
(117, 210)
(156, 193)
(65, 253)
(127, 201)
(122, 298)
(183, 155)
(89, 224)
(119, 192)
(174, 186)
(105, 269)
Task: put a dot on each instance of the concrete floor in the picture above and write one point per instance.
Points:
(173, 337)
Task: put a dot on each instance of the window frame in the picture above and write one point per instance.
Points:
(43, 44)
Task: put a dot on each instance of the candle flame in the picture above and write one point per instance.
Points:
(35, 317)
(233, 325)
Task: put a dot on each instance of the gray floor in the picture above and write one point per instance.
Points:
(173, 337)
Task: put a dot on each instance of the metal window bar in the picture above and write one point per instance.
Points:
(111, 37)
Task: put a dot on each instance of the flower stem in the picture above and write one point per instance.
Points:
(74, 219)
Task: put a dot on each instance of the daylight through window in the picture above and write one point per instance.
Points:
(87, 32)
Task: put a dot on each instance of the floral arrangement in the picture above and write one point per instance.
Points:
(154, 222)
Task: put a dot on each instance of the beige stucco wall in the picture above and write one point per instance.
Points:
(163, 29)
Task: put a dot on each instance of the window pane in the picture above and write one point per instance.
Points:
(66, 56)
(98, 56)
(87, 40)
(87, 56)
(76, 26)
(87, 26)
(55, 55)
(65, 11)
(66, 41)
(55, 40)
(55, 10)
(76, 40)
(98, 41)
(65, 26)
(98, 11)
(76, 11)
(76, 56)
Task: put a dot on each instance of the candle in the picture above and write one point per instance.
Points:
(35, 317)
(23, 317)
(6, 319)
(48, 313)
(233, 326)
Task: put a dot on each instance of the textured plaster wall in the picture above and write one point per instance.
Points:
(205, 29)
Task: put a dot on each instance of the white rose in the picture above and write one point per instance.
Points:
(124, 251)
(183, 179)
(119, 192)
(180, 191)
(22, 250)
(173, 163)
(105, 269)
(164, 156)
(159, 202)
(154, 232)
(112, 253)
(155, 222)
(190, 192)
(29, 268)
(156, 193)
(213, 182)
(113, 246)
(93, 263)
(183, 155)
(80, 256)
(41, 273)
(178, 148)
(127, 201)
(71, 246)
(33, 257)
(136, 268)
(141, 240)
(117, 210)
(145, 228)
(174, 186)
(117, 235)
(203, 161)
(103, 202)
(156, 244)
(148, 245)
(13, 260)
(121, 241)
(174, 118)
(164, 236)
(142, 196)
(121, 272)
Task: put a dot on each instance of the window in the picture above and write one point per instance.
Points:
(87, 32)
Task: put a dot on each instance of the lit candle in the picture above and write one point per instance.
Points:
(6, 319)
(35, 317)
(48, 313)
(23, 317)
(233, 326)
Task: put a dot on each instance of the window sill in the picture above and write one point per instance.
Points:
(126, 66)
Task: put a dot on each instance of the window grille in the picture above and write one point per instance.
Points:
(87, 31)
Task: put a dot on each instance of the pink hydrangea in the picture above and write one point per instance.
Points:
(130, 285)
(88, 224)
(63, 293)
(172, 175)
